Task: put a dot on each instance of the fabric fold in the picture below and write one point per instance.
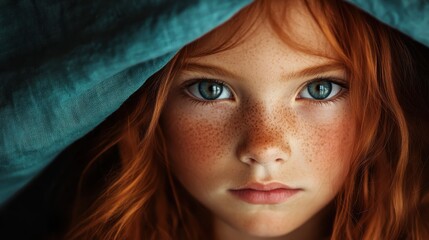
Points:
(76, 62)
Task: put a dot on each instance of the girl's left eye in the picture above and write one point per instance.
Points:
(320, 90)
(209, 90)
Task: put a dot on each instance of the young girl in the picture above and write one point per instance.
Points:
(293, 120)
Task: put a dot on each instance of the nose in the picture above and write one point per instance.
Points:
(264, 138)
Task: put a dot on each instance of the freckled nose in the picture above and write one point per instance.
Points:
(263, 140)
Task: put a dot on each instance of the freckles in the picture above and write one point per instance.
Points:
(327, 144)
(289, 125)
(266, 127)
(289, 120)
(198, 140)
(324, 153)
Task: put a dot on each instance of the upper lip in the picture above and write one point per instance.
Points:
(263, 186)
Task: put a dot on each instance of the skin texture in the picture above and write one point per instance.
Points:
(265, 131)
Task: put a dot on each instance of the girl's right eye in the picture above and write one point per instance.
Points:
(209, 90)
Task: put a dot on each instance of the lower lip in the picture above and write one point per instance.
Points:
(274, 196)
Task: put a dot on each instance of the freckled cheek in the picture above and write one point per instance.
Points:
(326, 146)
(197, 146)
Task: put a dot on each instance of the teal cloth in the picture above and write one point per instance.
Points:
(67, 65)
(408, 16)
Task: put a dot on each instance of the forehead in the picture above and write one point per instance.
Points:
(287, 23)
(263, 61)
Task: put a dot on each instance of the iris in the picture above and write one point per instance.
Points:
(210, 90)
(319, 90)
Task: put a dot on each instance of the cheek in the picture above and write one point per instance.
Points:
(198, 148)
(326, 144)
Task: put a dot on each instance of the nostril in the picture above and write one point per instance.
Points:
(251, 160)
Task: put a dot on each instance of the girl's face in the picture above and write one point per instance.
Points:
(261, 134)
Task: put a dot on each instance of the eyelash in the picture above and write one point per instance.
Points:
(341, 95)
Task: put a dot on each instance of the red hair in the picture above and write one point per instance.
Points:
(384, 196)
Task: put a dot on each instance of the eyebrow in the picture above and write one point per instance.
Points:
(315, 70)
(210, 69)
(306, 72)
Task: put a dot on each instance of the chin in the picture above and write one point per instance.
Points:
(268, 228)
(266, 232)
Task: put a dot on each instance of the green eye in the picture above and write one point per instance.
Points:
(209, 90)
(320, 90)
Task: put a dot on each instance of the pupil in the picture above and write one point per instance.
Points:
(320, 90)
(210, 90)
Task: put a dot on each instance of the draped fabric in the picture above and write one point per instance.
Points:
(66, 65)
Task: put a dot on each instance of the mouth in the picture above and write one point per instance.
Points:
(258, 193)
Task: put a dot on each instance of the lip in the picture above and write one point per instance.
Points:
(259, 193)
